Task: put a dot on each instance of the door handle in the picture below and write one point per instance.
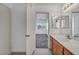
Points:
(27, 35)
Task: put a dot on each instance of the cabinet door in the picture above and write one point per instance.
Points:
(51, 43)
(54, 47)
(59, 49)
(66, 52)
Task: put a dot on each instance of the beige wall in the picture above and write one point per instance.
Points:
(18, 26)
(5, 30)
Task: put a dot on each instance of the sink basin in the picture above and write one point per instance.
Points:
(77, 38)
(68, 37)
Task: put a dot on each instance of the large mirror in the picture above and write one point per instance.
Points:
(61, 22)
(57, 23)
(65, 22)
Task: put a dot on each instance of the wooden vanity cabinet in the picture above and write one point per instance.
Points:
(57, 48)
(51, 43)
(54, 48)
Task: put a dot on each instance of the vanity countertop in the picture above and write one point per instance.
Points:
(71, 44)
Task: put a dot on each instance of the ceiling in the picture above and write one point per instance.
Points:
(76, 10)
(45, 4)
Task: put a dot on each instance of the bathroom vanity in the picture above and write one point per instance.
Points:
(57, 48)
(61, 45)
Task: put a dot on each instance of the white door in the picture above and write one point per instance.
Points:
(30, 29)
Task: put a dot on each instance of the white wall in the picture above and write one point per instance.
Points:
(18, 27)
(18, 17)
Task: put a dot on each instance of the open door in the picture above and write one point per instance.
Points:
(30, 29)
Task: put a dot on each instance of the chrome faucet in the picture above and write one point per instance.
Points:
(68, 36)
(76, 35)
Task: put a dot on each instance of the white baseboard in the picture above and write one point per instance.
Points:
(5, 52)
(18, 51)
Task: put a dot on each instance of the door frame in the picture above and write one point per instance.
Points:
(48, 26)
(29, 35)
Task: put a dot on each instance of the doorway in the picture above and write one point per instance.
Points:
(42, 29)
